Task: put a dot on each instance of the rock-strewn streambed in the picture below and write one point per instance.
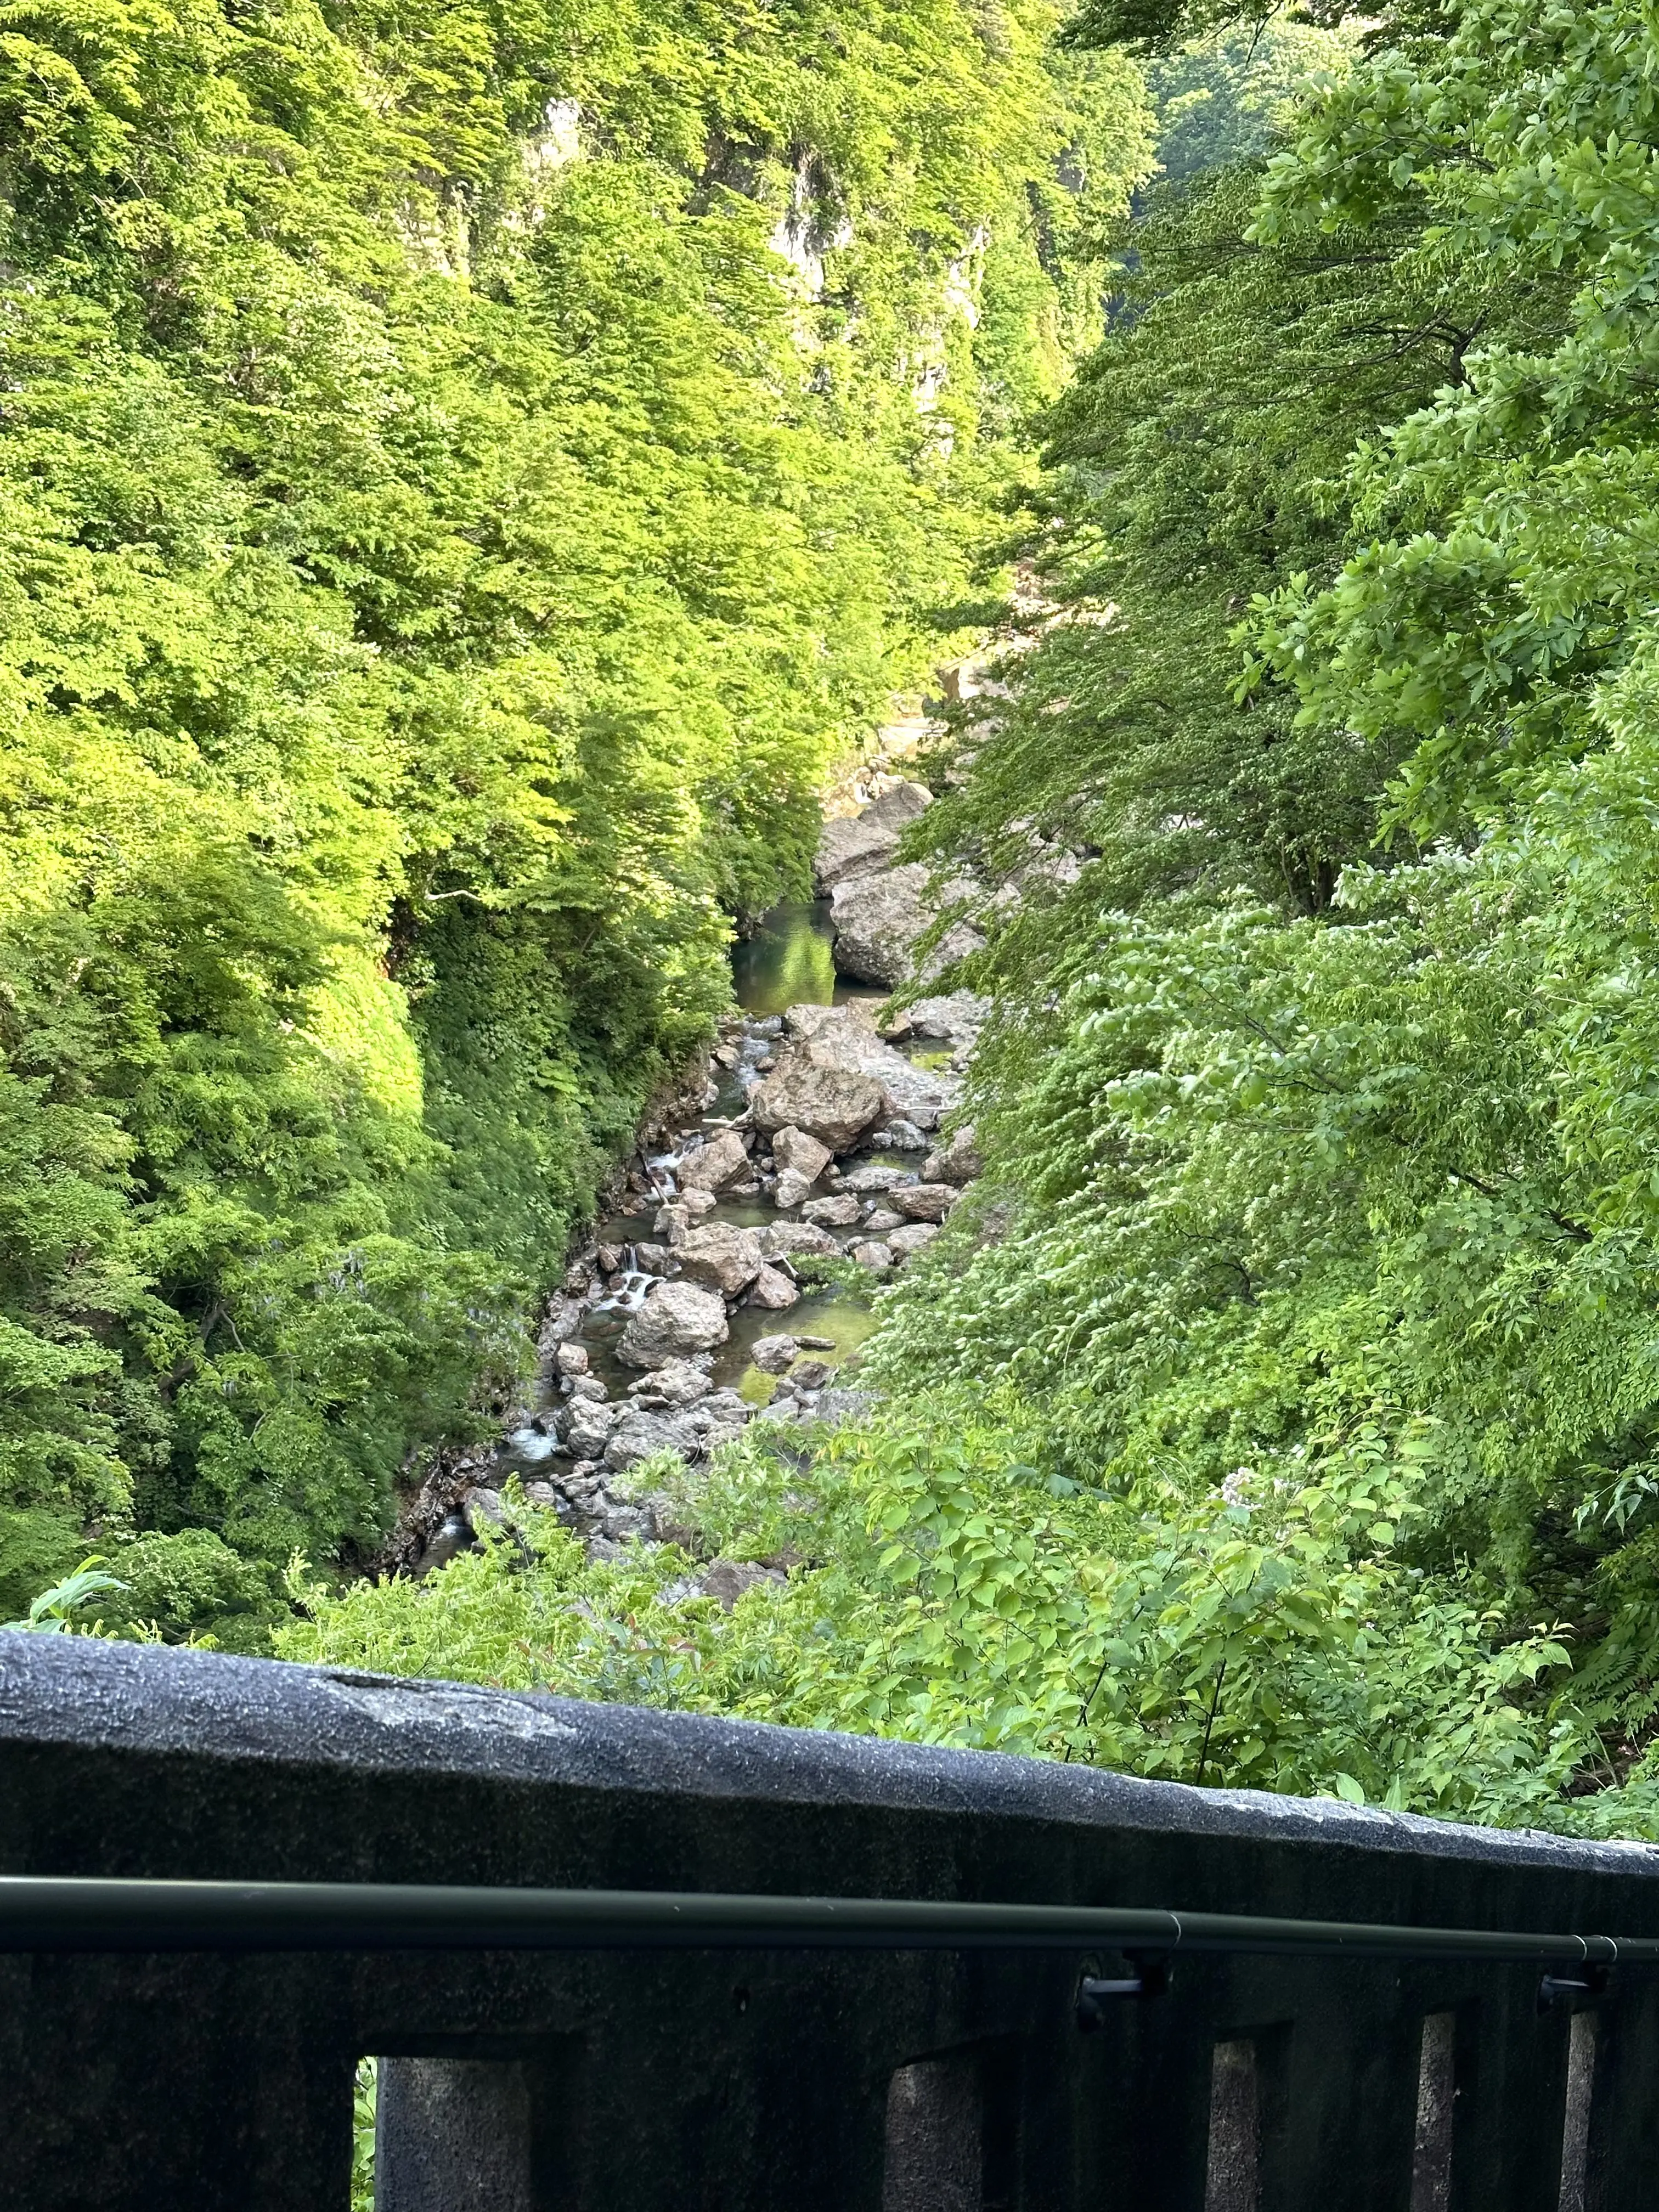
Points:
(693, 1311)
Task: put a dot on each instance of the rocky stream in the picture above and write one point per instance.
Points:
(693, 1311)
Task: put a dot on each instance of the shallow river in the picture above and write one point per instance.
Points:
(785, 962)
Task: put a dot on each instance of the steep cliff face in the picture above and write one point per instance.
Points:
(462, 479)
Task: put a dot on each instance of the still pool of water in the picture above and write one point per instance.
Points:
(789, 961)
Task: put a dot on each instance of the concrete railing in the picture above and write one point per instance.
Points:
(644, 2076)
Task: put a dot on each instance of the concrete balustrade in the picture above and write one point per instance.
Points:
(770, 2081)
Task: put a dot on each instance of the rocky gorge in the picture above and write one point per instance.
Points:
(817, 1151)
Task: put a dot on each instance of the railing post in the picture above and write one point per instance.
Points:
(935, 2137)
(453, 2135)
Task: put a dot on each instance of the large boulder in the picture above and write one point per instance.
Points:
(836, 1105)
(790, 1190)
(839, 1212)
(773, 1355)
(878, 920)
(955, 1018)
(780, 1238)
(725, 1258)
(679, 1383)
(773, 1290)
(586, 1427)
(867, 1180)
(914, 1237)
(846, 1037)
(924, 1202)
(856, 844)
(724, 1159)
(676, 1318)
(803, 1155)
(642, 1435)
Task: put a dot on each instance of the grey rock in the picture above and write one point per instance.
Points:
(588, 1386)
(724, 1159)
(790, 1190)
(831, 1212)
(957, 1160)
(773, 1290)
(590, 1431)
(869, 1177)
(484, 1510)
(780, 1238)
(678, 1383)
(843, 1404)
(914, 1237)
(675, 1319)
(836, 1105)
(853, 845)
(773, 1354)
(956, 1017)
(698, 1204)
(642, 1436)
(726, 1580)
(925, 1201)
(725, 1258)
(793, 1148)
(810, 1374)
(846, 1036)
(878, 918)
(871, 1255)
(880, 1219)
(900, 1136)
(571, 1359)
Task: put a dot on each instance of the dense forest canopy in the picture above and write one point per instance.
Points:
(498, 550)
(465, 472)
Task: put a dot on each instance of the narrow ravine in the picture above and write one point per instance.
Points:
(694, 1309)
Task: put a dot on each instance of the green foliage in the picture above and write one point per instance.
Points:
(1267, 1184)
(1225, 99)
(944, 1589)
(52, 1613)
(1281, 1407)
(364, 2098)
(442, 544)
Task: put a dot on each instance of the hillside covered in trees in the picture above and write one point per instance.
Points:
(492, 472)
(463, 481)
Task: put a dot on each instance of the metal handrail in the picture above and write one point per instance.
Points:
(40, 1913)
